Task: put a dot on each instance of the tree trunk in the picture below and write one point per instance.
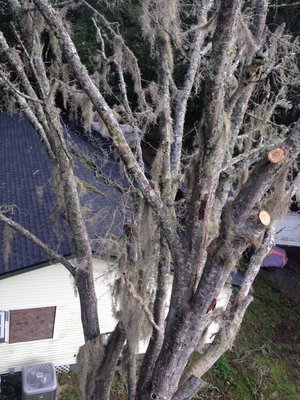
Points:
(105, 373)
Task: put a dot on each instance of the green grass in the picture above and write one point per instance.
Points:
(264, 362)
(69, 386)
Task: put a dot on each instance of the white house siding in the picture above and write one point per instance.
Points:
(288, 230)
(52, 286)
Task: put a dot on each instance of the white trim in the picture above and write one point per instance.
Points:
(2, 325)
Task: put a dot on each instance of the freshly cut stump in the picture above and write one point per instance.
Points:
(277, 155)
(264, 218)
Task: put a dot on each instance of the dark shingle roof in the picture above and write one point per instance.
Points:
(25, 185)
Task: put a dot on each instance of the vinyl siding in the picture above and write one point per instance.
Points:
(53, 286)
(288, 230)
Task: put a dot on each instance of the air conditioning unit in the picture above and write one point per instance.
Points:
(39, 382)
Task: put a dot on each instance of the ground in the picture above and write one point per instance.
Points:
(264, 363)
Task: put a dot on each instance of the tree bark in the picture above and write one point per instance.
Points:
(105, 373)
(157, 337)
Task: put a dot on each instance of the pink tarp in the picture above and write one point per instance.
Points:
(277, 257)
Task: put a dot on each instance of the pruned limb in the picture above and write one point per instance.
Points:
(30, 236)
(264, 217)
(251, 157)
(262, 177)
(277, 155)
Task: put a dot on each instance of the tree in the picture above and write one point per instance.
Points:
(236, 179)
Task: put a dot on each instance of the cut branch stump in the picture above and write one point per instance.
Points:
(277, 155)
(264, 218)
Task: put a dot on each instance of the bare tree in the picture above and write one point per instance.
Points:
(236, 179)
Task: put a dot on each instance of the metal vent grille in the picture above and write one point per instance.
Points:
(43, 396)
(39, 382)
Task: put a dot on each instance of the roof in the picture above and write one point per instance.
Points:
(26, 190)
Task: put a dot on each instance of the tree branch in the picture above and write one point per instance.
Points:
(222, 343)
(136, 76)
(118, 139)
(133, 293)
(284, 5)
(263, 176)
(112, 60)
(13, 88)
(255, 265)
(183, 94)
(30, 236)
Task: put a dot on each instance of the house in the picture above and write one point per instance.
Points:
(288, 230)
(39, 306)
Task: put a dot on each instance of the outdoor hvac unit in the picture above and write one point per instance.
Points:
(39, 382)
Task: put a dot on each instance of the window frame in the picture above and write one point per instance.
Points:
(13, 338)
(4, 326)
(5, 322)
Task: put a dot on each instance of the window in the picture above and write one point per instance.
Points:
(2, 326)
(31, 324)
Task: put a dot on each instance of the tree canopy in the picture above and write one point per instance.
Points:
(214, 91)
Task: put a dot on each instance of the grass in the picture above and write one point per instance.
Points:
(69, 387)
(264, 362)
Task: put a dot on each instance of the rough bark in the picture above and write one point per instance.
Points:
(157, 336)
(183, 95)
(105, 372)
(218, 226)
